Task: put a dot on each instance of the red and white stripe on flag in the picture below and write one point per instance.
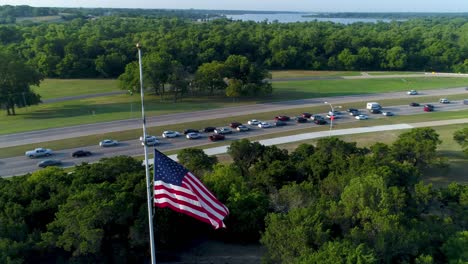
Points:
(191, 198)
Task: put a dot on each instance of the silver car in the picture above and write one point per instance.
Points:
(193, 135)
(170, 134)
(108, 143)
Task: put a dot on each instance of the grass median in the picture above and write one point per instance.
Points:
(118, 107)
(135, 133)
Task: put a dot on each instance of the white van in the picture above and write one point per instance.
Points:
(373, 105)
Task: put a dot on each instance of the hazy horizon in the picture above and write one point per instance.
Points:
(271, 5)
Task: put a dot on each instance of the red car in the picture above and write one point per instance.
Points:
(235, 124)
(428, 108)
(216, 137)
(282, 118)
(306, 115)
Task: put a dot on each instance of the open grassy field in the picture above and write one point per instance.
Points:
(101, 109)
(378, 73)
(56, 88)
(323, 88)
(304, 73)
(116, 107)
(40, 19)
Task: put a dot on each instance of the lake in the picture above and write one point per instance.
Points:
(298, 17)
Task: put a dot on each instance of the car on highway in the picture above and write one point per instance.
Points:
(216, 137)
(444, 101)
(254, 122)
(375, 111)
(320, 121)
(81, 153)
(428, 108)
(414, 104)
(209, 129)
(170, 134)
(49, 162)
(412, 92)
(282, 118)
(235, 124)
(316, 117)
(108, 143)
(354, 113)
(330, 115)
(242, 128)
(350, 110)
(38, 152)
(280, 123)
(300, 119)
(190, 130)
(193, 135)
(387, 113)
(264, 125)
(362, 117)
(306, 115)
(150, 141)
(223, 130)
(334, 112)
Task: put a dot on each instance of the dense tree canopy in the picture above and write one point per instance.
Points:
(102, 47)
(333, 202)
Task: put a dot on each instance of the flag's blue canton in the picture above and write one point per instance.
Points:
(167, 170)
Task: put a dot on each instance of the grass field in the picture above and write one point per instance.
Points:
(116, 107)
(392, 73)
(299, 73)
(323, 88)
(40, 19)
(56, 88)
(101, 109)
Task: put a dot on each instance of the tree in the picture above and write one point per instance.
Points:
(16, 77)
(245, 153)
(196, 161)
(234, 89)
(417, 147)
(211, 76)
(461, 137)
(130, 80)
(455, 248)
(178, 79)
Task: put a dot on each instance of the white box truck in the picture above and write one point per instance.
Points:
(373, 105)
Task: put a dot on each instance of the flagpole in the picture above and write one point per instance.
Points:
(148, 183)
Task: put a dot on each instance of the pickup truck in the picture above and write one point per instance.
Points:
(39, 152)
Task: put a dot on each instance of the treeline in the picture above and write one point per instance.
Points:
(103, 47)
(329, 203)
(9, 13)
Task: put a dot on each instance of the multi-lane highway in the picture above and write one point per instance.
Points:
(22, 164)
(163, 120)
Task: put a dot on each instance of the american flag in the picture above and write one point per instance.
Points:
(177, 188)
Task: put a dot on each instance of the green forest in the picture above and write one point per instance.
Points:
(332, 202)
(103, 46)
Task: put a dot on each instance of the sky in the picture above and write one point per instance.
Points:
(276, 5)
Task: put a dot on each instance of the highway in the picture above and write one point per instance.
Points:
(21, 165)
(163, 120)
